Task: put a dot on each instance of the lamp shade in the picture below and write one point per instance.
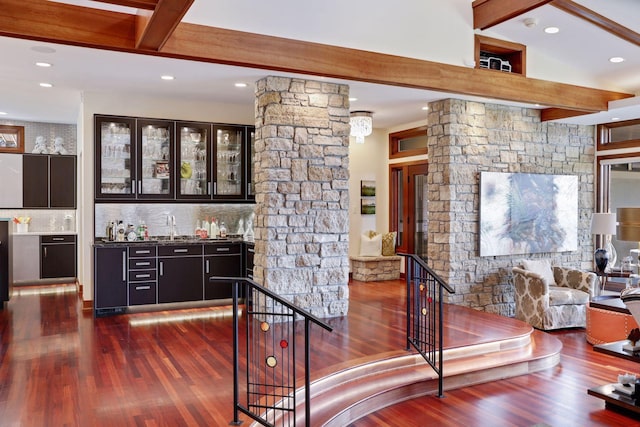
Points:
(628, 224)
(603, 223)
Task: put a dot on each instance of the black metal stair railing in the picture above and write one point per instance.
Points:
(425, 322)
(276, 338)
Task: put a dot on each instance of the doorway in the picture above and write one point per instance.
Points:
(408, 200)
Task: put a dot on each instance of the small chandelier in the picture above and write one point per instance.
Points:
(361, 125)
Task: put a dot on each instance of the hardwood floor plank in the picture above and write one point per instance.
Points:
(61, 367)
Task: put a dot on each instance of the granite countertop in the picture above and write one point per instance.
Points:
(165, 241)
(45, 233)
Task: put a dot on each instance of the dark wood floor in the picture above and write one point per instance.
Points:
(61, 367)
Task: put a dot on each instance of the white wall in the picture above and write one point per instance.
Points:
(370, 161)
(126, 105)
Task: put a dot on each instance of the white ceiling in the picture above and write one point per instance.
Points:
(426, 29)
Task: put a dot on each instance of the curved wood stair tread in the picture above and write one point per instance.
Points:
(344, 396)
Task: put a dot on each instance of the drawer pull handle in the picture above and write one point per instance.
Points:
(58, 239)
(180, 251)
(142, 252)
(142, 263)
(142, 276)
(143, 288)
(223, 249)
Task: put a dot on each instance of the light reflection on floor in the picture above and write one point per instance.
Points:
(183, 315)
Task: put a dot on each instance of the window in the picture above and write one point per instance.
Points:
(411, 142)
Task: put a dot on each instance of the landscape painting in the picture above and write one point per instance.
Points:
(523, 213)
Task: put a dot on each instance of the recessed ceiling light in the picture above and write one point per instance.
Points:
(552, 30)
(3, 113)
(167, 77)
(46, 85)
(613, 119)
(239, 84)
(616, 59)
(425, 108)
(43, 64)
(352, 99)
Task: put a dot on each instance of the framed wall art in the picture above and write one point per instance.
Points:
(11, 139)
(522, 213)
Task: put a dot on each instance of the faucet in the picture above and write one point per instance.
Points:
(171, 222)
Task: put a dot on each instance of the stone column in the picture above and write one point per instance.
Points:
(302, 180)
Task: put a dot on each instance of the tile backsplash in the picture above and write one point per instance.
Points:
(187, 216)
(68, 132)
(44, 220)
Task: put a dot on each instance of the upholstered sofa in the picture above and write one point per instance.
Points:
(555, 299)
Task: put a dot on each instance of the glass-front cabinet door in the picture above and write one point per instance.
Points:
(155, 159)
(193, 167)
(229, 162)
(115, 149)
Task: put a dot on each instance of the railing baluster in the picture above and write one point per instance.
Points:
(270, 353)
(425, 327)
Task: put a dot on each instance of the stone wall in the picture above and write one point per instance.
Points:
(302, 200)
(466, 138)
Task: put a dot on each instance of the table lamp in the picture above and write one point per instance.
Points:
(604, 224)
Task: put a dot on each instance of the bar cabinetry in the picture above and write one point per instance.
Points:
(163, 160)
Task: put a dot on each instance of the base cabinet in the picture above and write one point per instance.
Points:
(221, 261)
(110, 279)
(133, 274)
(57, 256)
(179, 273)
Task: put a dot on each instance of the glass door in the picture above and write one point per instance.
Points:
(408, 213)
(115, 149)
(228, 163)
(155, 159)
(194, 161)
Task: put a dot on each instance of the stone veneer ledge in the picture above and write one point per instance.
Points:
(302, 180)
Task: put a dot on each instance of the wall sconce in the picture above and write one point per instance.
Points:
(604, 224)
(361, 125)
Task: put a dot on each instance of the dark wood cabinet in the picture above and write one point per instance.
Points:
(249, 251)
(49, 181)
(110, 278)
(35, 181)
(221, 260)
(160, 160)
(179, 273)
(57, 256)
(62, 182)
(5, 263)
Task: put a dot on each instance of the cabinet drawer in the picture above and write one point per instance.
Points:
(142, 251)
(142, 293)
(179, 250)
(142, 263)
(61, 238)
(142, 275)
(223, 249)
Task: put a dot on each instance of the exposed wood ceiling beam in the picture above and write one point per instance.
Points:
(68, 24)
(137, 4)
(487, 13)
(153, 30)
(598, 20)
